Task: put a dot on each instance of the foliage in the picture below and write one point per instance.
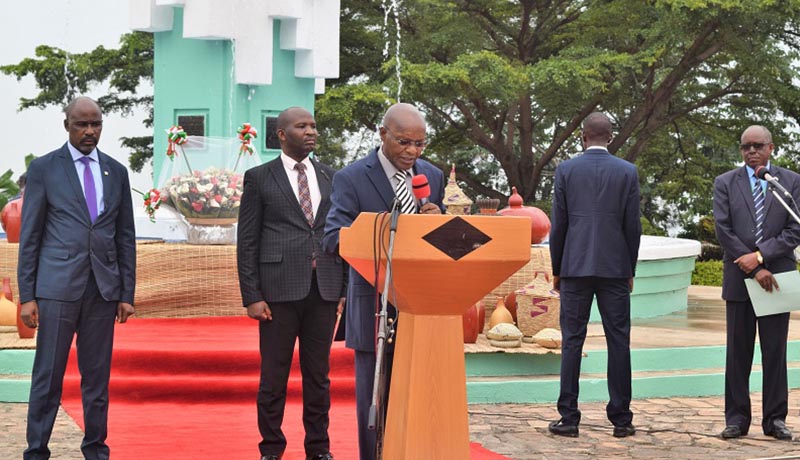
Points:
(707, 273)
(61, 76)
(506, 85)
(8, 187)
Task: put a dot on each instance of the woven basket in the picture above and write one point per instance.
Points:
(538, 305)
(540, 262)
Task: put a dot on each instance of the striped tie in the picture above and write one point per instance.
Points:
(404, 198)
(758, 201)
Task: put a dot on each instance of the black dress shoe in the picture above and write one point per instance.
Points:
(560, 428)
(323, 456)
(779, 431)
(624, 431)
(732, 432)
(271, 457)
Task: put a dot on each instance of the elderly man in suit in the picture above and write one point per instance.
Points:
(371, 184)
(288, 283)
(594, 244)
(76, 272)
(758, 238)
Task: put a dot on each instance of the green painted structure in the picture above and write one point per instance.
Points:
(196, 78)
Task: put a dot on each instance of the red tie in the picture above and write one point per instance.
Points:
(305, 194)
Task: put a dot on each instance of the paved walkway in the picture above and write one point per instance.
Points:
(669, 428)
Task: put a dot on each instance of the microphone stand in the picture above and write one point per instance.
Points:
(783, 203)
(376, 420)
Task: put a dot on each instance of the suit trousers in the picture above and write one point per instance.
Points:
(773, 331)
(92, 318)
(613, 301)
(365, 362)
(311, 320)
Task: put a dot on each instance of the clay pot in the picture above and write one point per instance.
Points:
(470, 322)
(24, 331)
(7, 289)
(481, 316)
(500, 314)
(11, 218)
(8, 312)
(540, 223)
(511, 304)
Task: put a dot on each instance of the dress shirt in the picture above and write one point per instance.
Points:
(753, 179)
(97, 175)
(313, 185)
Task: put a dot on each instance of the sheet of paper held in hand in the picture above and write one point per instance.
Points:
(778, 301)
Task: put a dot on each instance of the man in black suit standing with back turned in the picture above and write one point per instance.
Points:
(288, 283)
(594, 244)
(758, 238)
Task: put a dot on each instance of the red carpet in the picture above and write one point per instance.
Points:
(185, 389)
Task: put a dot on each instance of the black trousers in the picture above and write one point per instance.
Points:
(310, 320)
(365, 363)
(773, 331)
(614, 303)
(92, 318)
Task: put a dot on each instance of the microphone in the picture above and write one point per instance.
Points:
(763, 173)
(421, 189)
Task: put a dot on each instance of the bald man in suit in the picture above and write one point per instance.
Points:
(76, 272)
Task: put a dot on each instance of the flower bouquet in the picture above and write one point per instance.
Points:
(205, 186)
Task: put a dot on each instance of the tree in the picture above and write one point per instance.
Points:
(61, 76)
(506, 85)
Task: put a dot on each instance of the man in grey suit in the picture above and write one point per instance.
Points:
(288, 283)
(76, 272)
(594, 244)
(758, 238)
(370, 185)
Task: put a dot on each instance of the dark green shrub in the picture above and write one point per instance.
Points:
(707, 273)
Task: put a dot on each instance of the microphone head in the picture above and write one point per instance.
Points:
(761, 172)
(421, 189)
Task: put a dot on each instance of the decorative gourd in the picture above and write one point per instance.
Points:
(540, 223)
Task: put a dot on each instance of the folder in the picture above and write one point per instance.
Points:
(782, 300)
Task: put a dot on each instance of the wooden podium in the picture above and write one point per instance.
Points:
(441, 265)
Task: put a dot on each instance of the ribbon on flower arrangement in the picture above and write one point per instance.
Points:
(152, 200)
(176, 137)
(246, 134)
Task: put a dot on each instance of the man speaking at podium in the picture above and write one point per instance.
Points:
(758, 238)
(372, 184)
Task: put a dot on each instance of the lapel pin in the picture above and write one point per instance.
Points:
(105, 172)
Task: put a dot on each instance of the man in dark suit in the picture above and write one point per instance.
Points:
(594, 244)
(288, 283)
(76, 272)
(758, 238)
(369, 185)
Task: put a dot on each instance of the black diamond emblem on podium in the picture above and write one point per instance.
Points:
(456, 238)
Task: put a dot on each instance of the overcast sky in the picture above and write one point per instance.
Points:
(73, 25)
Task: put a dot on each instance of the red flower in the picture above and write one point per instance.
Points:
(197, 206)
(218, 198)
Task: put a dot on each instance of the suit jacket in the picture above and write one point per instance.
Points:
(734, 214)
(364, 187)
(60, 246)
(275, 244)
(595, 217)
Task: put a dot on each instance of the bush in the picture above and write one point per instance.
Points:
(707, 273)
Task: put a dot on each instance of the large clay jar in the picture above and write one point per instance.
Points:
(8, 312)
(7, 289)
(11, 218)
(511, 304)
(470, 324)
(24, 331)
(540, 223)
(500, 314)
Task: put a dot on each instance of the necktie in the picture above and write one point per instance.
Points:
(305, 194)
(758, 202)
(406, 201)
(89, 191)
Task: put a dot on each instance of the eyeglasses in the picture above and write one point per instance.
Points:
(755, 145)
(405, 143)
